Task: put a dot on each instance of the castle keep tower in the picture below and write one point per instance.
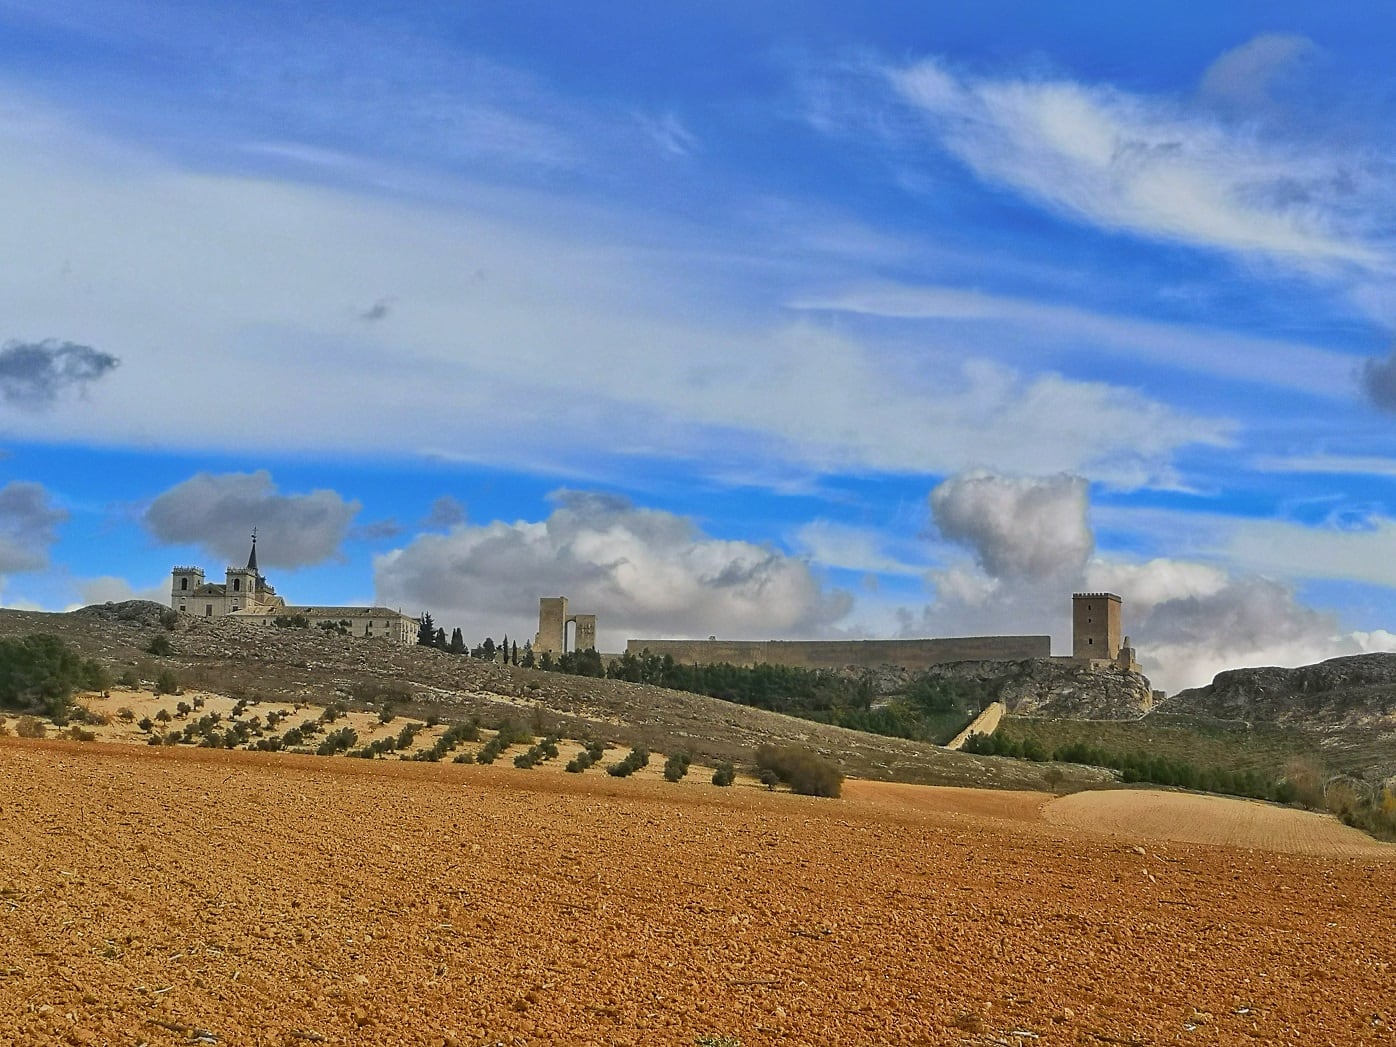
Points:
(553, 620)
(1095, 627)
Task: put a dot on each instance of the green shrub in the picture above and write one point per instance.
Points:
(676, 766)
(166, 683)
(160, 645)
(725, 774)
(804, 770)
(31, 727)
(638, 757)
(129, 679)
(40, 673)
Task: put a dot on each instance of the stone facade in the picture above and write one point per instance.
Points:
(1096, 632)
(553, 620)
(246, 595)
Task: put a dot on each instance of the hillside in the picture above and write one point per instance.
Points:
(239, 659)
(1347, 704)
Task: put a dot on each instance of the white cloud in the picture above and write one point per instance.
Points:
(1328, 464)
(1145, 165)
(644, 572)
(1188, 619)
(514, 317)
(219, 511)
(833, 544)
(1293, 550)
(1224, 354)
(1018, 527)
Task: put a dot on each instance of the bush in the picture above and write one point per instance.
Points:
(725, 774)
(30, 727)
(804, 770)
(166, 683)
(638, 757)
(160, 645)
(40, 673)
(676, 766)
(337, 741)
(129, 679)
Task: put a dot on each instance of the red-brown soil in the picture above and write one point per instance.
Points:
(155, 895)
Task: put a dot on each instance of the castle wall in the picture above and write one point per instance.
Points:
(835, 654)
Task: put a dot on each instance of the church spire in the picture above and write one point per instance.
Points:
(252, 559)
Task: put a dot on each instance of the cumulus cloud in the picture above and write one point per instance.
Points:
(1191, 621)
(444, 514)
(1148, 166)
(644, 572)
(33, 374)
(1018, 527)
(219, 511)
(28, 526)
(1032, 546)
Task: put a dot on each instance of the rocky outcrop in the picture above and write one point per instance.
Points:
(1357, 691)
(1060, 687)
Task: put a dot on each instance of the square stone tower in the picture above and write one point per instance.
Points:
(1095, 626)
(552, 625)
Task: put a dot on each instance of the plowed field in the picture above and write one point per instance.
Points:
(1222, 820)
(174, 896)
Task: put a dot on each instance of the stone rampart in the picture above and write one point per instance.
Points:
(836, 654)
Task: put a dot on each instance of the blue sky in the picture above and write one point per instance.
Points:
(772, 320)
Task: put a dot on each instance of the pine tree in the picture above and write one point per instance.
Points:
(439, 641)
(426, 631)
(516, 652)
(457, 642)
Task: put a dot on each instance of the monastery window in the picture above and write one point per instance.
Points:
(208, 610)
(237, 585)
(184, 584)
(181, 607)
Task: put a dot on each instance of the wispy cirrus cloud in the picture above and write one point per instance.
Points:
(1150, 166)
(1223, 354)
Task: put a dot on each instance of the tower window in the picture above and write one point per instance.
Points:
(1090, 639)
(184, 583)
